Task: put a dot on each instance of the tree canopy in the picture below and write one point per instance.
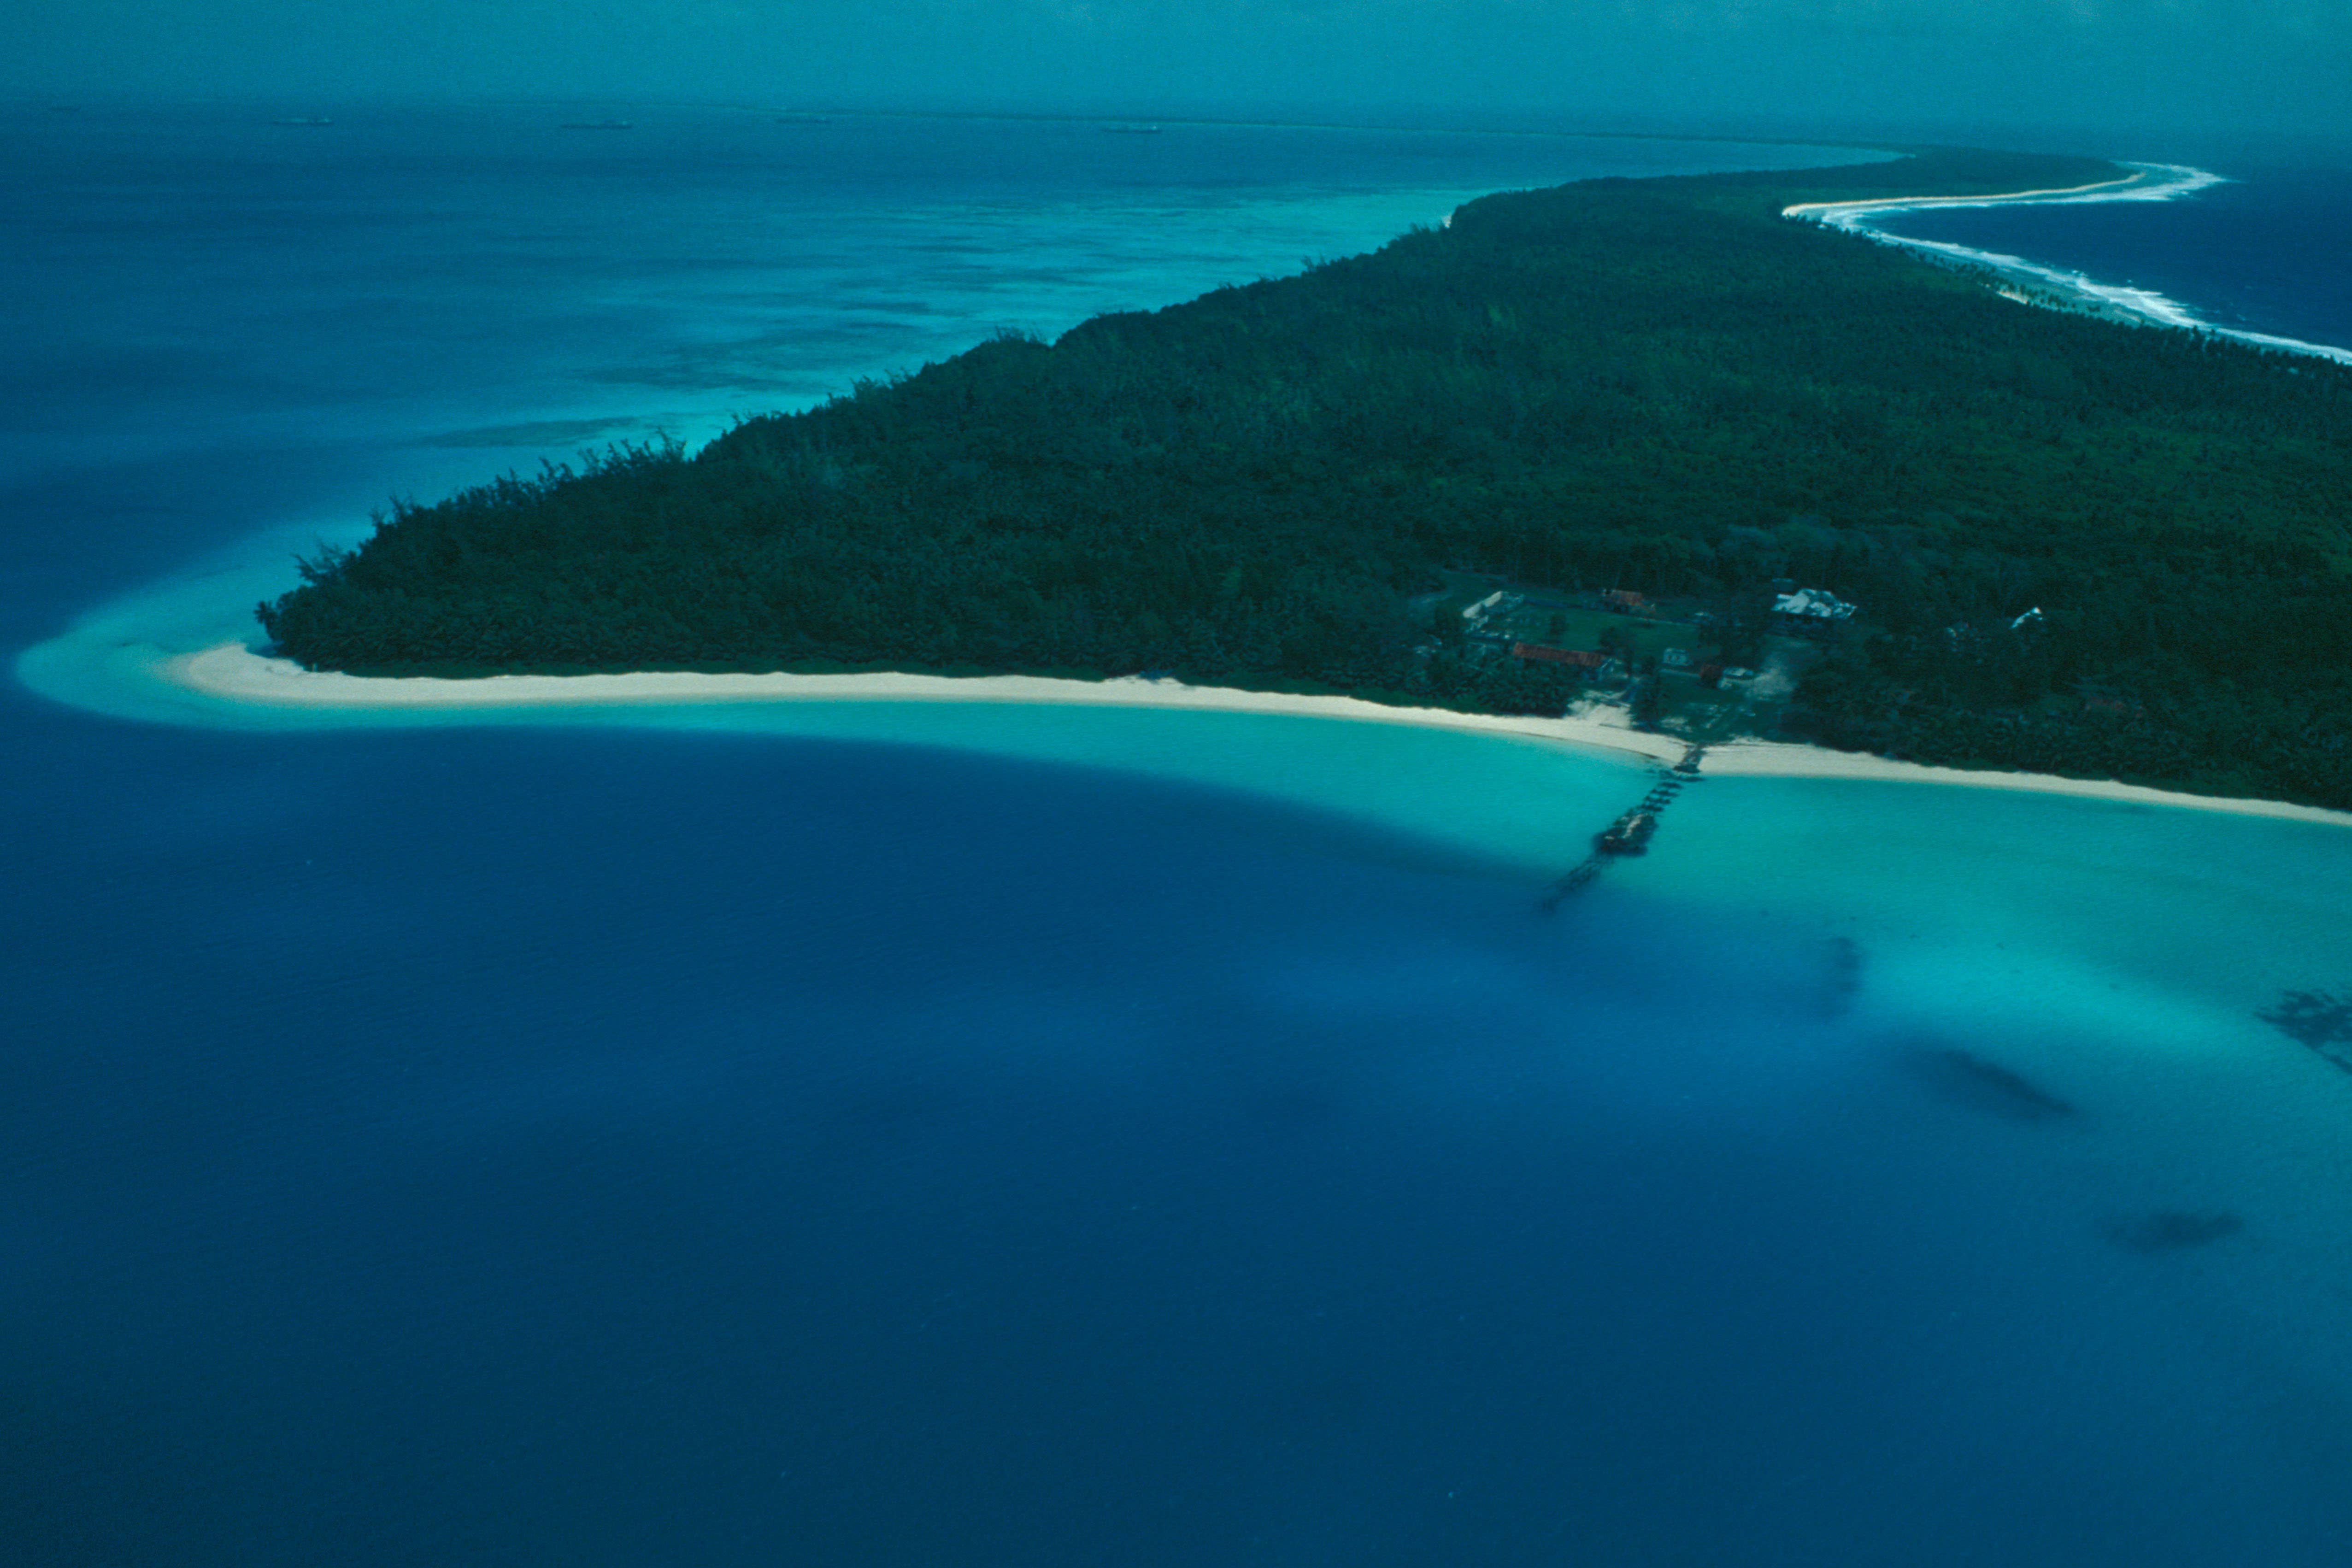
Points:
(1659, 385)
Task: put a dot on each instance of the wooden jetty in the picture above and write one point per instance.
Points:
(1630, 835)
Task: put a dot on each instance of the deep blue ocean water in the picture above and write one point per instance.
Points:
(1021, 1137)
(2264, 252)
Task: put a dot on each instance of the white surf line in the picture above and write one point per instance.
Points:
(2147, 183)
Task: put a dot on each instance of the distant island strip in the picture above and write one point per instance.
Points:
(1640, 463)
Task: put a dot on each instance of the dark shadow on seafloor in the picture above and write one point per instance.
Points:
(1841, 977)
(2320, 1020)
(2169, 1230)
(1969, 1081)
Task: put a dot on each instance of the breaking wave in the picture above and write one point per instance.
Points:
(2149, 183)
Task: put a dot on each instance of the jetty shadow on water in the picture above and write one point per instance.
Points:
(1969, 1081)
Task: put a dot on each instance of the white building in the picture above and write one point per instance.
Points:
(1496, 603)
(1812, 604)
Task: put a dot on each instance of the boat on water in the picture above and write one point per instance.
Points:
(1131, 129)
(304, 119)
(598, 125)
(1628, 835)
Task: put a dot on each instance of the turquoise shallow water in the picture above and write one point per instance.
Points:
(889, 1132)
(880, 1132)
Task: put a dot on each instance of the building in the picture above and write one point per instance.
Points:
(1623, 598)
(1496, 603)
(1588, 662)
(1812, 607)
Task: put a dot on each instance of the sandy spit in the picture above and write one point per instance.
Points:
(1831, 211)
(2025, 281)
(234, 673)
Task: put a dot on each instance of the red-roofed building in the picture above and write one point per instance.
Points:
(1584, 659)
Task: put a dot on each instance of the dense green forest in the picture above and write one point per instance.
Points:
(1658, 385)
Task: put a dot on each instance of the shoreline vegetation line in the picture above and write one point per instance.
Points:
(1259, 490)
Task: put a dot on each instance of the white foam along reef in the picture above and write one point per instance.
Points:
(2147, 183)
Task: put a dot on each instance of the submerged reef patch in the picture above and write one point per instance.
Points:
(1968, 1080)
(2320, 1020)
(2169, 1229)
(1841, 978)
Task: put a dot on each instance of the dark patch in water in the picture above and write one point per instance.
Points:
(1841, 980)
(84, 1482)
(2169, 1230)
(1967, 1079)
(2320, 1020)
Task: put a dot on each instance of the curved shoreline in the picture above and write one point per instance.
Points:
(230, 673)
(233, 673)
(2109, 301)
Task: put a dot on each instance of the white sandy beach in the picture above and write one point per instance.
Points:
(1849, 214)
(233, 673)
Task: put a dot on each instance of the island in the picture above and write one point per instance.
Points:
(1670, 447)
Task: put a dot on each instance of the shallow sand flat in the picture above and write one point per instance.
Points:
(1779, 759)
(234, 673)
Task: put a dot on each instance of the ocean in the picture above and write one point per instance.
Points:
(2262, 252)
(955, 1134)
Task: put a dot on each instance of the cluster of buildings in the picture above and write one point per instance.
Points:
(1810, 609)
(1496, 621)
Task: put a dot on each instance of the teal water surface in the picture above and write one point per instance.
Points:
(979, 1134)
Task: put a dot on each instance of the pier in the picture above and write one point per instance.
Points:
(1631, 833)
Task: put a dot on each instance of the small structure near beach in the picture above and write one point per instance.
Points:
(1628, 835)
